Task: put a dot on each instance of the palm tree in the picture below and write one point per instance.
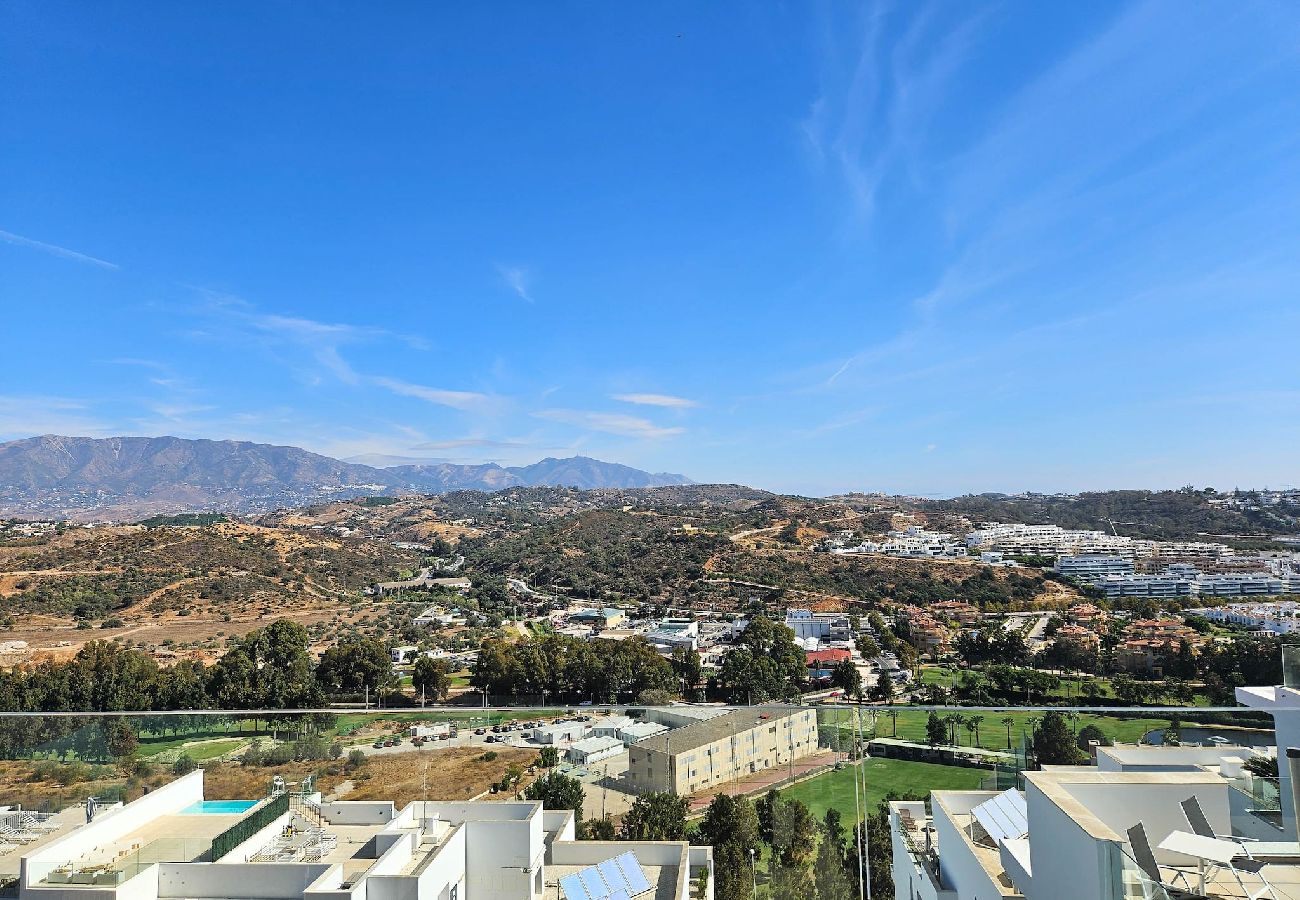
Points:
(954, 722)
(1008, 721)
(973, 726)
(893, 720)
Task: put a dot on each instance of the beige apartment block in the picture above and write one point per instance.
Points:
(721, 749)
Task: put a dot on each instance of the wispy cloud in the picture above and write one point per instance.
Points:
(468, 401)
(465, 443)
(518, 279)
(668, 401)
(55, 250)
(879, 95)
(610, 423)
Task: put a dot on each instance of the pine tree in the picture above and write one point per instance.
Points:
(936, 732)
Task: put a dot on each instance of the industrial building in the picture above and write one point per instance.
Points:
(824, 626)
(593, 749)
(721, 748)
(561, 733)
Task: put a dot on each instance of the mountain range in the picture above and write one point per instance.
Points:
(121, 478)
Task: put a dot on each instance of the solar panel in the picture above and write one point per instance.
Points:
(632, 873)
(1004, 817)
(620, 878)
(613, 876)
(573, 889)
(595, 885)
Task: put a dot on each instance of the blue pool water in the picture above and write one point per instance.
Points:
(218, 807)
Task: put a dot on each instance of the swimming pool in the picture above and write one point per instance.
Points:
(218, 807)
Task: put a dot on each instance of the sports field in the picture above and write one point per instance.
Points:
(883, 776)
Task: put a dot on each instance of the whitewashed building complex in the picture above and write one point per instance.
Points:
(173, 844)
(1150, 822)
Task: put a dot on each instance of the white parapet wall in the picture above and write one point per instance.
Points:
(107, 827)
(263, 881)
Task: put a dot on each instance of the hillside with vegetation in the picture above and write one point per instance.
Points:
(1185, 514)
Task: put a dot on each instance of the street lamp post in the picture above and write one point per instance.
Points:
(753, 874)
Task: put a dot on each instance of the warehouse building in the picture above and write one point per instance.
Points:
(721, 749)
(560, 733)
(594, 749)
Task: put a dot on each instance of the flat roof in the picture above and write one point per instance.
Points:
(595, 744)
(698, 734)
(662, 878)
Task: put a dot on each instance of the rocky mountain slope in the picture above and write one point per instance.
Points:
(130, 477)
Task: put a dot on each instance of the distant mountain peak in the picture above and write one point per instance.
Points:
(53, 476)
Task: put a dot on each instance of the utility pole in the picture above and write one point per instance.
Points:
(859, 831)
(862, 773)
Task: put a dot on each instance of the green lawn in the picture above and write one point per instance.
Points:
(199, 752)
(992, 732)
(882, 776)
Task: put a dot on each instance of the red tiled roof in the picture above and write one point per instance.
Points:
(827, 656)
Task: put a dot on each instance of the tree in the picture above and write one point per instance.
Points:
(794, 833)
(689, 669)
(1008, 722)
(1053, 743)
(973, 726)
(184, 765)
(1263, 766)
(955, 721)
(867, 646)
(355, 664)
(846, 676)
(883, 689)
(656, 816)
(601, 829)
(122, 742)
(558, 791)
(431, 679)
(730, 825)
(829, 877)
(936, 731)
(548, 757)
(765, 808)
(765, 665)
(1089, 733)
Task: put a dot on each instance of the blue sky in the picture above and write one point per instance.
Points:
(926, 248)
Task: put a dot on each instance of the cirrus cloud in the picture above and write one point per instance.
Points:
(469, 401)
(610, 423)
(667, 401)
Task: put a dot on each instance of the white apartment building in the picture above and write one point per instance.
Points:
(1185, 581)
(172, 844)
(1052, 540)
(1239, 585)
(1144, 585)
(1281, 617)
(1089, 568)
(915, 542)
